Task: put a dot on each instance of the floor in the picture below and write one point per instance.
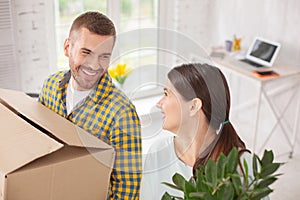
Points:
(288, 186)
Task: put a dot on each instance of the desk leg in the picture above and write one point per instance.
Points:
(257, 118)
(296, 124)
(279, 118)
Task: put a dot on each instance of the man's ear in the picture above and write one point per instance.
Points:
(66, 47)
(196, 105)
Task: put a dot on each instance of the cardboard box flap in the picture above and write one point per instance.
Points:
(20, 143)
(58, 126)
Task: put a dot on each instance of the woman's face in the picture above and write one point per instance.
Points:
(173, 108)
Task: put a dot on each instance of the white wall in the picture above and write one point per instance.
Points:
(210, 22)
(34, 36)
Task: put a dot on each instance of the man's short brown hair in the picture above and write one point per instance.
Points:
(95, 22)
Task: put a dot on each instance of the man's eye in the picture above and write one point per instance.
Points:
(104, 56)
(166, 94)
(86, 52)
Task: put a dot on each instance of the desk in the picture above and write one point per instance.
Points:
(288, 81)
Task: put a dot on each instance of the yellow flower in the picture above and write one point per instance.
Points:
(112, 73)
(119, 72)
(120, 69)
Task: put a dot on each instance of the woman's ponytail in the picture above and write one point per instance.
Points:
(226, 139)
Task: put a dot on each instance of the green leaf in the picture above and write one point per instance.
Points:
(266, 182)
(200, 181)
(246, 171)
(211, 172)
(236, 181)
(260, 193)
(210, 187)
(172, 186)
(267, 158)
(226, 192)
(244, 198)
(221, 165)
(192, 181)
(121, 79)
(269, 169)
(232, 161)
(166, 196)
(188, 188)
(255, 159)
(179, 181)
(199, 195)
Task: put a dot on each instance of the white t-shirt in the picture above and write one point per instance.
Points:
(161, 163)
(74, 96)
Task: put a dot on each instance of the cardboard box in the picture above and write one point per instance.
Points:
(43, 156)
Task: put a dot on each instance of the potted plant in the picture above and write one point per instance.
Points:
(227, 179)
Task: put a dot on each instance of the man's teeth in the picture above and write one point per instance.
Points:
(89, 73)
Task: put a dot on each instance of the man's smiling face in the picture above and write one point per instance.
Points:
(89, 56)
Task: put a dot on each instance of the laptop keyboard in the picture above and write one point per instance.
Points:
(251, 63)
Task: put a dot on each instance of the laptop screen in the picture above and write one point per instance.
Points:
(263, 51)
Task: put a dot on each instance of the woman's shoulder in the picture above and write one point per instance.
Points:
(160, 154)
(163, 142)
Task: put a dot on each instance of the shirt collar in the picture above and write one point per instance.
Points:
(101, 91)
(103, 88)
(65, 79)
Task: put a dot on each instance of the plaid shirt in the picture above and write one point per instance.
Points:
(109, 115)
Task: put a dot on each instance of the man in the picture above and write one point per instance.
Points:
(86, 96)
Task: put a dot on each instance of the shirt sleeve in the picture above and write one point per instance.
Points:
(146, 189)
(127, 172)
(149, 176)
(41, 98)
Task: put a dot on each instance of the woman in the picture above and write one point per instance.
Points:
(195, 107)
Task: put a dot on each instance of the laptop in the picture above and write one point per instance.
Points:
(262, 52)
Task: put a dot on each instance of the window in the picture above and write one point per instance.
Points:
(66, 11)
(8, 62)
(136, 22)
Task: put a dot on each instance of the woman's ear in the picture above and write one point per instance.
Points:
(66, 47)
(196, 105)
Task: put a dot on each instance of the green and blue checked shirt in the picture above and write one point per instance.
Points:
(109, 115)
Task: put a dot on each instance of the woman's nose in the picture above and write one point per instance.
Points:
(159, 103)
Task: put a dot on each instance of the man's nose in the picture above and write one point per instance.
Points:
(93, 62)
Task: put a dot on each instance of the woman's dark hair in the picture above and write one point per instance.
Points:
(208, 83)
(95, 22)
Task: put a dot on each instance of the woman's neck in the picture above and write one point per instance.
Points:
(189, 146)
